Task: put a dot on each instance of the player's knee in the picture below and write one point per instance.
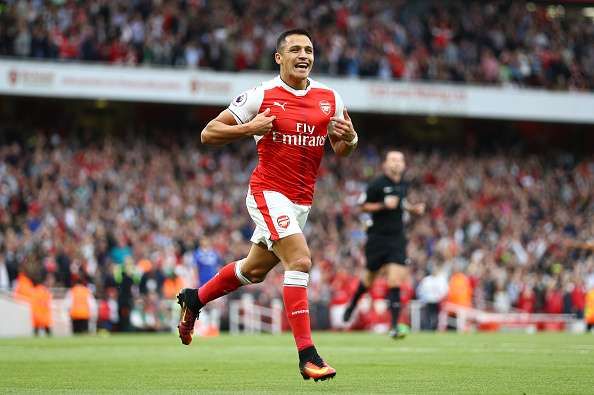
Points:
(255, 275)
(300, 264)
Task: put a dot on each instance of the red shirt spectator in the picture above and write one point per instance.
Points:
(527, 300)
(554, 301)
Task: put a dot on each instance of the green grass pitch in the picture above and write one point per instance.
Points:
(258, 364)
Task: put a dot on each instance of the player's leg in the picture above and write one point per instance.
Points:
(259, 261)
(365, 283)
(296, 258)
(375, 255)
(252, 269)
(397, 274)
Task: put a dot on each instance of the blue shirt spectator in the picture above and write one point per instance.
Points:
(207, 261)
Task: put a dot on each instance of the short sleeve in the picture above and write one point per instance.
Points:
(246, 106)
(339, 104)
(338, 111)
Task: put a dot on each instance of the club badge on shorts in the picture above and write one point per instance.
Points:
(283, 221)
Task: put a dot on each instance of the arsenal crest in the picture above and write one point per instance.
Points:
(325, 107)
(283, 221)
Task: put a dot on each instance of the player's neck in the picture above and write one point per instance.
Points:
(297, 84)
(394, 177)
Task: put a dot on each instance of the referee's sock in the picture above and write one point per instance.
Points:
(361, 289)
(348, 313)
(394, 303)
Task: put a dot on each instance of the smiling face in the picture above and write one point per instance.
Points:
(295, 57)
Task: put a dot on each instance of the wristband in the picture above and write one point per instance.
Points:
(353, 141)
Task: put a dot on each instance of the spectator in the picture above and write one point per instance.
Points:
(432, 289)
(207, 261)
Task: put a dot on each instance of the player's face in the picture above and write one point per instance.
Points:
(394, 163)
(295, 57)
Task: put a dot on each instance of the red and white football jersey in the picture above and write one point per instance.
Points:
(289, 155)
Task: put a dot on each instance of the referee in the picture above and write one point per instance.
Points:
(385, 200)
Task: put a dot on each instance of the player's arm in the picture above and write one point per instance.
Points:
(224, 128)
(373, 201)
(390, 203)
(417, 208)
(343, 137)
(373, 207)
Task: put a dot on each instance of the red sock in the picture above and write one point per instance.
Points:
(297, 308)
(228, 279)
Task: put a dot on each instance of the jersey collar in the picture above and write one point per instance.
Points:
(296, 92)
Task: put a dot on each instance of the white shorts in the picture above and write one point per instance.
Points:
(275, 216)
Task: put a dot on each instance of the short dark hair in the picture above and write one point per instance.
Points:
(387, 150)
(285, 34)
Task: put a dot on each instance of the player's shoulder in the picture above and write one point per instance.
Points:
(318, 85)
(261, 87)
(315, 84)
(251, 98)
(379, 181)
(270, 84)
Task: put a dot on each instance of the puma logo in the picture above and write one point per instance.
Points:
(281, 105)
(300, 312)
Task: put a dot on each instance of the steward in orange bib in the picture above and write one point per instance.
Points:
(589, 309)
(460, 290)
(81, 302)
(41, 309)
(23, 288)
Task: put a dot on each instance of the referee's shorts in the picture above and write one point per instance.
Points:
(380, 250)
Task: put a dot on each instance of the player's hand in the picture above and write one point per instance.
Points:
(261, 124)
(391, 202)
(343, 128)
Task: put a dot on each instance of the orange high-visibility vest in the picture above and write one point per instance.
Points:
(41, 307)
(460, 291)
(589, 307)
(80, 309)
(172, 286)
(23, 288)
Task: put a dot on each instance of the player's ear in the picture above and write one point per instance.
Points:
(277, 58)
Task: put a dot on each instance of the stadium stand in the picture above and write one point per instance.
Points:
(128, 213)
(493, 42)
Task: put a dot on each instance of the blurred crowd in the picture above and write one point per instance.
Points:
(487, 42)
(135, 221)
